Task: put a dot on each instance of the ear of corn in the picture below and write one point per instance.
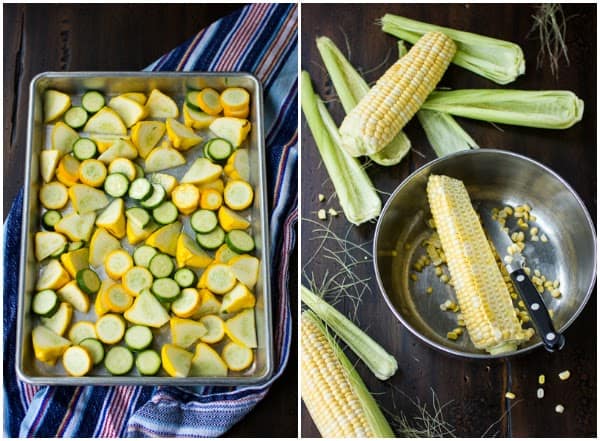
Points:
(498, 60)
(548, 109)
(333, 392)
(482, 294)
(397, 95)
(351, 88)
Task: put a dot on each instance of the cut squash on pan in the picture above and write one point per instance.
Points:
(146, 134)
(55, 104)
(160, 105)
(106, 121)
(129, 110)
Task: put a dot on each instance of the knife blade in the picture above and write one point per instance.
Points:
(538, 312)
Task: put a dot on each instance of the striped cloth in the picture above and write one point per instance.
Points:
(261, 39)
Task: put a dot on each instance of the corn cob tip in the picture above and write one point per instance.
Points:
(397, 96)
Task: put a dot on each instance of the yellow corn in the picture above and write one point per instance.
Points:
(335, 396)
(397, 95)
(481, 291)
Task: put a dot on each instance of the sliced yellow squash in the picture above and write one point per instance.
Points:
(230, 220)
(188, 253)
(182, 137)
(71, 293)
(121, 148)
(48, 163)
(55, 104)
(234, 130)
(241, 328)
(196, 119)
(77, 227)
(129, 110)
(162, 158)
(63, 137)
(60, 320)
(106, 121)
(101, 245)
(209, 304)
(185, 332)
(202, 170)
(147, 310)
(207, 362)
(53, 276)
(240, 297)
(160, 105)
(146, 134)
(165, 238)
(237, 356)
(176, 361)
(86, 199)
(112, 219)
(73, 261)
(47, 243)
(47, 345)
(136, 234)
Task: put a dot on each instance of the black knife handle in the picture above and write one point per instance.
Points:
(537, 311)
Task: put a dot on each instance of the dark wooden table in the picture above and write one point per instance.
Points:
(475, 389)
(52, 37)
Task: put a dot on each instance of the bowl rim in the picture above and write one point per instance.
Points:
(447, 349)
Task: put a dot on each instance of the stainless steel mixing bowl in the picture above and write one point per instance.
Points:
(494, 178)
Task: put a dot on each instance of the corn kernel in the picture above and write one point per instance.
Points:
(544, 238)
(540, 393)
(508, 259)
(555, 293)
(532, 218)
(321, 197)
(559, 408)
(541, 379)
(321, 214)
(451, 335)
(510, 395)
(537, 272)
(429, 290)
(564, 375)
(534, 231)
(458, 331)
(444, 278)
(333, 212)
(413, 277)
(438, 271)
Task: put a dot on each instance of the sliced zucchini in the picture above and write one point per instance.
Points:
(74, 246)
(50, 218)
(124, 166)
(63, 137)
(148, 362)
(165, 289)
(116, 185)
(55, 104)
(238, 195)
(92, 172)
(188, 253)
(72, 294)
(48, 163)
(138, 216)
(202, 170)
(106, 121)
(219, 278)
(185, 332)
(191, 100)
(218, 150)
(77, 361)
(166, 213)
(92, 101)
(110, 328)
(113, 218)
(165, 238)
(207, 362)
(138, 337)
(204, 221)
(143, 255)
(88, 281)
(147, 310)
(45, 303)
(239, 241)
(162, 158)
(161, 265)
(85, 148)
(60, 320)
(156, 198)
(140, 189)
(48, 243)
(211, 240)
(54, 195)
(129, 110)
(185, 277)
(86, 199)
(76, 117)
(118, 360)
(137, 279)
(166, 181)
(161, 106)
(95, 349)
(146, 134)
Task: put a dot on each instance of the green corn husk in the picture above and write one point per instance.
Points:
(379, 361)
(358, 198)
(549, 109)
(498, 60)
(351, 88)
(444, 134)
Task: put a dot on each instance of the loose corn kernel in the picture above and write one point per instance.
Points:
(321, 214)
(451, 335)
(444, 278)
(564, 375)
(544, 238)
(413, 277)
(460, 322)
(508, 259)
(540, 289)
(541, 379)
(532, 218)
(321, 197)
(537, 272)
(438, 271)
(527, 270)
(429, 290)
(555, 293)
(458, 331)
(559, 408)
(556, 283)
(333, 212)
(535, 238)
(510, 395)
(551, 313)
(534, 231)
(540, 393)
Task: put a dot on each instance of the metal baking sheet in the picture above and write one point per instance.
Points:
(31, 370)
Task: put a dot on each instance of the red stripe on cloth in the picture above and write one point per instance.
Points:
(278, 45)
(238, 41)
(189, 50)
(69, 414)
(116, 412)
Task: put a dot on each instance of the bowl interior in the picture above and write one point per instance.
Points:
(493, 179)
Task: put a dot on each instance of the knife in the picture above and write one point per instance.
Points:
(542, 322)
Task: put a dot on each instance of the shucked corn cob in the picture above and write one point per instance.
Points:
(397, 95)
(482, 294)
(334, 394)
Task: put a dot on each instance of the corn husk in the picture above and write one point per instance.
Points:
(498, 60)
(549, 109)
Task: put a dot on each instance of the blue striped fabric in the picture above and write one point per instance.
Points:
(261, 39)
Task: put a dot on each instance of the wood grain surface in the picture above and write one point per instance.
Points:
(473, 390)
(113, 37)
